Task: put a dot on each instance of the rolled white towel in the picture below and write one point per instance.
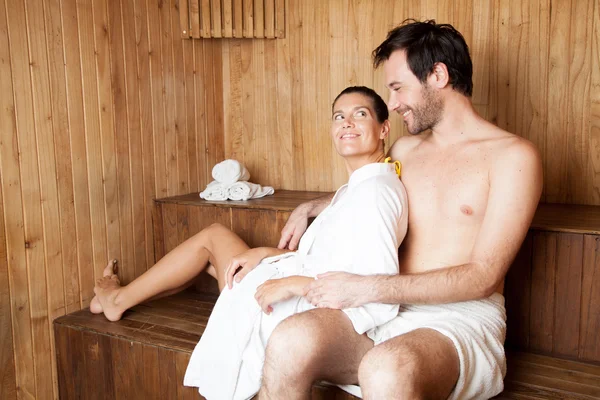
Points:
(247, 190)
(215, 191)
(230, 171)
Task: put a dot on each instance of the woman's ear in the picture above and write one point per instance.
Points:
(385, 129)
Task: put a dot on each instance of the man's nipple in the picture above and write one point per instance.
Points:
(465, 209)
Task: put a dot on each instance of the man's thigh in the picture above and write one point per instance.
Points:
(423, 358)
(323, 341)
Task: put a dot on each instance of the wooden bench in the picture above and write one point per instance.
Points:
(552, 294)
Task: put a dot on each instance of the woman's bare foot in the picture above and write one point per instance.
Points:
(111, 269)
(107, 290)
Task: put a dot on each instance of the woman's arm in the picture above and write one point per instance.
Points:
(247, 261)
(298, 221)
(276, 290)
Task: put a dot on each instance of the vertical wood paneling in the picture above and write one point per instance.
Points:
(109, 157)
(523, 78)
(215, 19)
(256, 227)
(83, 91)
(64, 172)
(238, 20)
(78, 150)
(92, 137)
(518, 304)
(8, 388)
(169, 97)
(127, 262)
(569, 257)
(248, 17)
(227, 18)
(136, 168)
(558, 105)
(194, 10)
(593, 168)
(23, 67)
(543, 277)
(147, 130)
(14, 224)
(589, 343)
(578, 111)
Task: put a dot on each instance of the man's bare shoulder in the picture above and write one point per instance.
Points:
(404, 144)
(512, 152)
(506, 147)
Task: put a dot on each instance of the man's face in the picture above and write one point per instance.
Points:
(419, 104)
(354, 126)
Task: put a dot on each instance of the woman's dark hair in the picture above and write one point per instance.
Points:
(379, 106)
(427, 43)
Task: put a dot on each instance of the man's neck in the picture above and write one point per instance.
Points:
(459, 121)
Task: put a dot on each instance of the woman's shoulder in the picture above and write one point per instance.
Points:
(382, 187)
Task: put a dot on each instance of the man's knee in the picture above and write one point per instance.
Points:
(391, 372)
(295, 344)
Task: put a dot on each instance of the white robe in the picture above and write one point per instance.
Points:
(359, 232)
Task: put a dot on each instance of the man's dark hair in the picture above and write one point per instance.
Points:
(379, 106)
(427, 43)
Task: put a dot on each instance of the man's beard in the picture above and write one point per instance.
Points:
(427, 114)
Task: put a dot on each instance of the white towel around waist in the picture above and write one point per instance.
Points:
(230, 171)
(477, 329)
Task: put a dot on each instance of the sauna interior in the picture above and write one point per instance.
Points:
(112, 110)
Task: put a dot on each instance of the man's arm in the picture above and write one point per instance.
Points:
(298, 221)
(515, 189)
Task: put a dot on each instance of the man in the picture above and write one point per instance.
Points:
(472, 191)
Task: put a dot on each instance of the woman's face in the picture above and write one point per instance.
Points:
(355, 130)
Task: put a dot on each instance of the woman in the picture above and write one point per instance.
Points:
(359, 232)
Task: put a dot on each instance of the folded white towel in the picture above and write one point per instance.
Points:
(215, 191)
(247, 190)
(230, 171)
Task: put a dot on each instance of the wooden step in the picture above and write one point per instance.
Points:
(144, 356)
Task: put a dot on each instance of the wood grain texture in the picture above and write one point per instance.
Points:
(518, 302)
(589, 342)
(152, 364)
(523, 82)
(543, 278)
(91, 94)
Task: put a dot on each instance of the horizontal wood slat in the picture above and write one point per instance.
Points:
(232, 18)
(145, 355)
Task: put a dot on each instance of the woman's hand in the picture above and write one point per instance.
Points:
(248, 260)
(276, 290)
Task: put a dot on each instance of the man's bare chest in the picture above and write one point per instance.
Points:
(446, 189)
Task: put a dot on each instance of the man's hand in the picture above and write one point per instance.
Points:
(338, 290)
(248, 260)
(276, 290)
(294, 229)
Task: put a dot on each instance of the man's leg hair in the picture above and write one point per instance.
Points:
(319, 344)
(422, 364)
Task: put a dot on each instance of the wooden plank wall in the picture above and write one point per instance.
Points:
(175, 223)
(553, 296)
(232, 18)
(103, 108)
(537, 74)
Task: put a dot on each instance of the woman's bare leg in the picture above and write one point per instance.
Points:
(215, 245)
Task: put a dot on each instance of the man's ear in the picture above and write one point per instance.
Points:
(439, 78)
(385, 129)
